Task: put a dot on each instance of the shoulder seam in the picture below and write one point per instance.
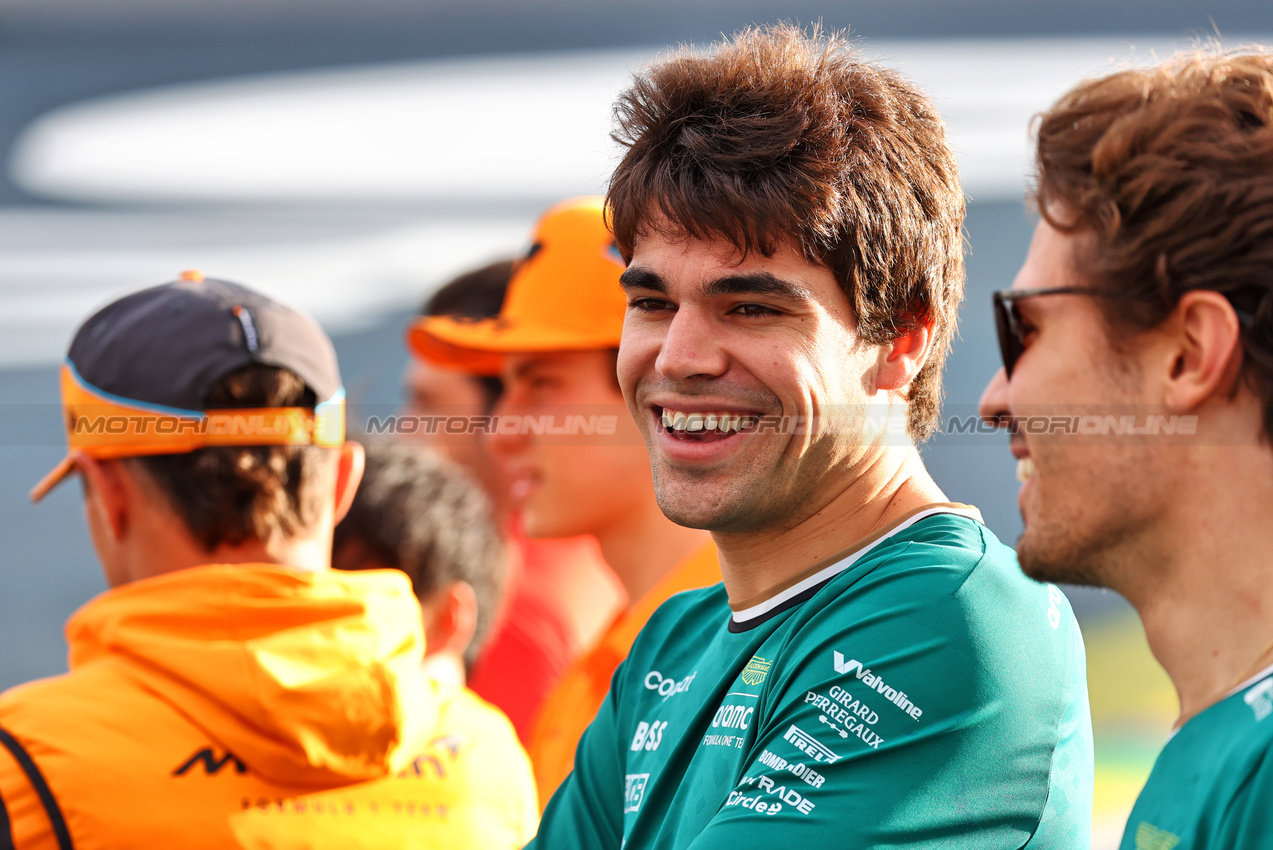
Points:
(42, 790)
(981, 559)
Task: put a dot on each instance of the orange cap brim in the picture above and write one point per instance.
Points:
(479, 347)
(64, 468)
(425, 342)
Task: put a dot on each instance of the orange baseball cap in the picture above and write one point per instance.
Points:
(564, 296)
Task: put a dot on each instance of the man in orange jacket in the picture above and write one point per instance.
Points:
(227, 667)
(418, 513)
(576, 461)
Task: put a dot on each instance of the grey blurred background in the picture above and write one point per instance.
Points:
(350, 156)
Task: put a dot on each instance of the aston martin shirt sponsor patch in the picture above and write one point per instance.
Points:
(756, 670)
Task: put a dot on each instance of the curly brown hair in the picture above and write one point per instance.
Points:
(777, 137)
(232, 494)
(1170, 169)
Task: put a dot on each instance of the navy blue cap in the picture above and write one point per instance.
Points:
(168, 345)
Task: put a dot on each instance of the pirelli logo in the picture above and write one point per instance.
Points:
(810, 746)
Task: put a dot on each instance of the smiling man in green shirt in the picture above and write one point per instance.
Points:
(1142, 323)
(875, 670)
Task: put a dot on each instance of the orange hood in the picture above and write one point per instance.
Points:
(309, 678)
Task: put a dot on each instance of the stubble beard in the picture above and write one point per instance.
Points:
(1057, 553)
(675, 494)
(1060, 562)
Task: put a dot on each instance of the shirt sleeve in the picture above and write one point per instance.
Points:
(904, 723)
(586, 811)
(1248, 820)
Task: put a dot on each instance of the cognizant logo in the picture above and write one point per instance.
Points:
(666, 686)
(877, 684)
(656, 681)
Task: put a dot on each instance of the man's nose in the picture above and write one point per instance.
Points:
(692, 346)
(993, 407)
(505, 438)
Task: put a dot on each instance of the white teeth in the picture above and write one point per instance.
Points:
(675, 420)
(1025, 469)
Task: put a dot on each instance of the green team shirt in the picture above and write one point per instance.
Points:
(919, 693)
(1212, 785)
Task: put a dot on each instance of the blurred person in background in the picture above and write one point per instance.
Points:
(875, 671)
(560, 593)
(227, 664)
(556, 335)
(1146, 300)
(420, 514)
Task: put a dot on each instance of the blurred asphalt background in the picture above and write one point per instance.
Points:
(60, 247)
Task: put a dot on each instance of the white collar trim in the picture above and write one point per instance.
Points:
(822, 575)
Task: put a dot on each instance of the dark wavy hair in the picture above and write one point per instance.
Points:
(475, 294)
(1170, 169)
(777, 137)
(232, 494)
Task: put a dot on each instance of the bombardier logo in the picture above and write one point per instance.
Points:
(877, 684)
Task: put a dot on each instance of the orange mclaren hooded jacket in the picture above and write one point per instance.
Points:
(212, 690)
(480, 793)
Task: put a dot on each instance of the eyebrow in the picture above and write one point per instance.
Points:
(751, 283)
(530, 367)
(642, 279)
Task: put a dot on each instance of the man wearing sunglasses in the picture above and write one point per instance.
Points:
(874, 670)
(1141, 328)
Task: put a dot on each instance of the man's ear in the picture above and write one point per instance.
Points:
(451, 619)
(106, 495)
(348, 476)
(901, 359)
(1204, 350)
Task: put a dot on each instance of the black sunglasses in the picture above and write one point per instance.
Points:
(1008, 324)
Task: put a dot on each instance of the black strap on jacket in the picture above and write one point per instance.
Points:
(6, 829)
(41, 787)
